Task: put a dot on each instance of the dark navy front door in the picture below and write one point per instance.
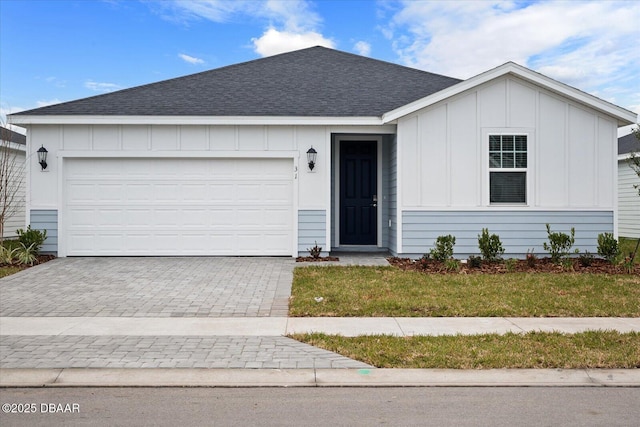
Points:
(358, 192)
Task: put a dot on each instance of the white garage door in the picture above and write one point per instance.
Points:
(178, 206)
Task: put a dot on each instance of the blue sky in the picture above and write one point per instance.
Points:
(54, 50)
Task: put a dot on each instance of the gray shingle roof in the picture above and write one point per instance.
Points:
(627, 144)
(11, 136)
(310, 82)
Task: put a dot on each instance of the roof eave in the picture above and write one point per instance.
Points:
(27, 120)
(623, 116)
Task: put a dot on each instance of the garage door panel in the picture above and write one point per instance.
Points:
(136, 217)
(221, 192)
(276, 218)
(79, 193)
(137, 192)
(110, 218)
(277, 192)
(178, 206)
(194, 192)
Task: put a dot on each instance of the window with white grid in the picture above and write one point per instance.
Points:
(508, 169)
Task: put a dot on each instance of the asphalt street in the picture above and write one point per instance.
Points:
(408, 406)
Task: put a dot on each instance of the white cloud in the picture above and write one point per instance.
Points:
(190, 59)
(274, 42)
(590, 45)
(363, 48)
(101, 87)
(292, 15)
(289, 24)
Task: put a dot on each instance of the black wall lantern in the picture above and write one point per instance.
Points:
(42, 157)
(311, 157)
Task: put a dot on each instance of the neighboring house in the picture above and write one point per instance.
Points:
(216, 163)
(12, 180)
(628, 197)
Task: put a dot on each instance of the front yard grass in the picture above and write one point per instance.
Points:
(592, 349)
(627, 246)
(8, 270)
(388, 291)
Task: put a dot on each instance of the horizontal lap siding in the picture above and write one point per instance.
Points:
(628, 201)
(518, 231)
(46, 219)
(311, 230)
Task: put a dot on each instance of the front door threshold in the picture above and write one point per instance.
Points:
(359, 248)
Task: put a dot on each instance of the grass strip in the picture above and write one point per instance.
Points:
(8, 271)
(388, 291)
(544, 350)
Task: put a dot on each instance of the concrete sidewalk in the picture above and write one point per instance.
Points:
(243, 352)
(281, 326)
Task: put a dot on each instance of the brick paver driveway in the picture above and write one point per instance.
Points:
(150, 287)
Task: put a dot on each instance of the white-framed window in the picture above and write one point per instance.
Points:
(508, 168)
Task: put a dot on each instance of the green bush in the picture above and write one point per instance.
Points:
(608, 247)
(443, 249)
(532, 259)
(7, 255)
(452, 264)
(511, 264)
(560, 244)
(315, 251)
(31, 237)
(490, 246)
(474, 261)
(27, 255)
(586, 259)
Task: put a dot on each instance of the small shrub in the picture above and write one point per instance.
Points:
(532, 259)
(424, 261)
(510, 264)
(490, 245)
(475, 261)
(608, 247)
(560, 244)
(27, 255)
(7, 255)
(315, 251)
(30, 237)
(567, 264)
(452, 264)
(627, 264)
(586, 259)
(443, 249)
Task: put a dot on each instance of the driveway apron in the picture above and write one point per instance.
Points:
(170, 287)
(150, 287)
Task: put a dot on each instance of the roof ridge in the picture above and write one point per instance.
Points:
(288, 83)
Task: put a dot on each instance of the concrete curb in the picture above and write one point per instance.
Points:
(74, 377)
(279, 326)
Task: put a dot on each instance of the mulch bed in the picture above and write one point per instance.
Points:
(542, 265)
(40, 260)
(320, 259)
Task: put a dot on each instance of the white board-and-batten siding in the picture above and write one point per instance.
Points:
(15, 164)
(443, 158)
(443, 168)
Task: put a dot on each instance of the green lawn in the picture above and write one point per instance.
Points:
(388, 291)
(593, 349)
(8, 271)
(627, 246)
